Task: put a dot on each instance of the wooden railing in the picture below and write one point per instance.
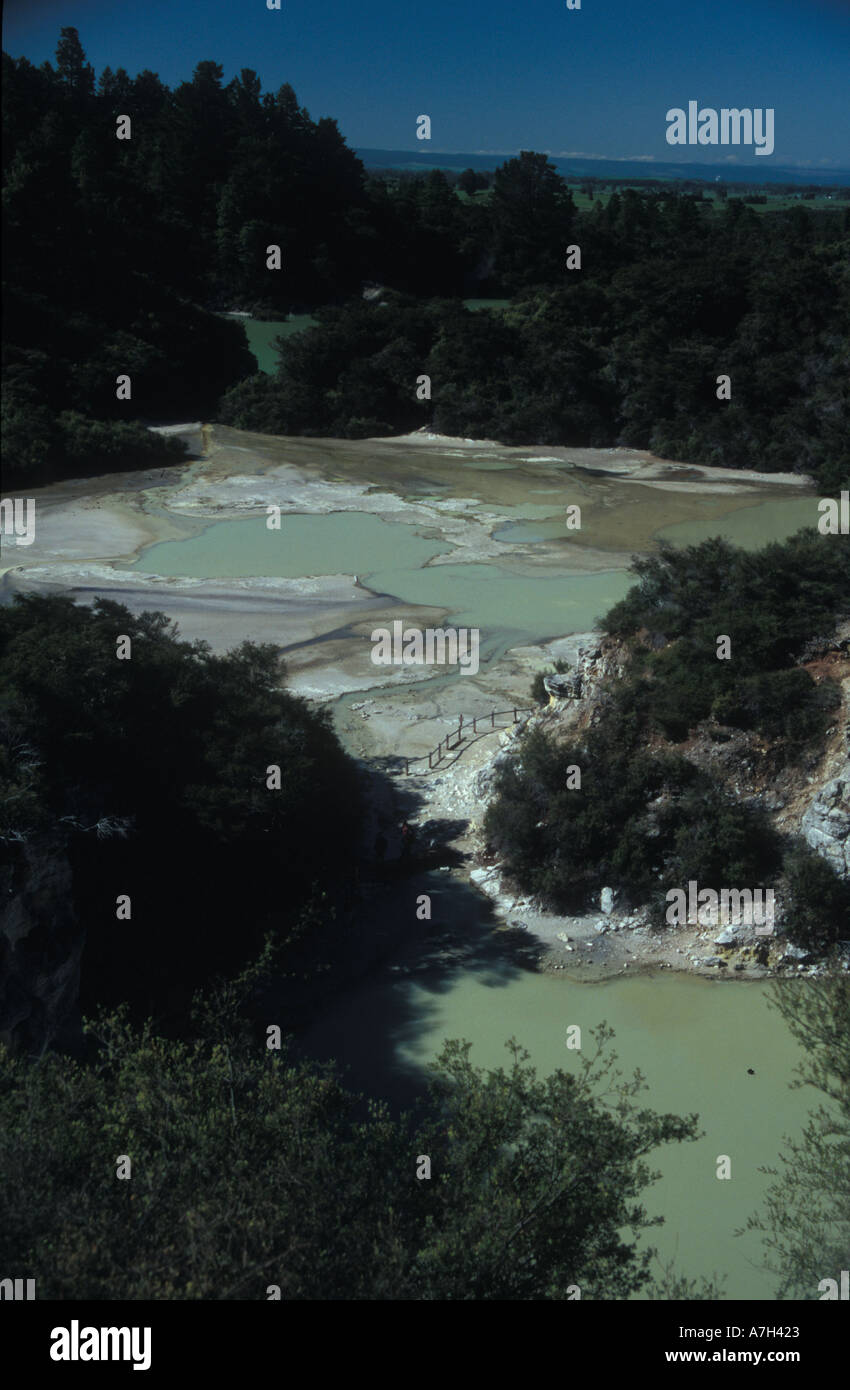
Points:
(446, 743)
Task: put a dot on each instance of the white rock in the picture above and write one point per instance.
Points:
(795, 953)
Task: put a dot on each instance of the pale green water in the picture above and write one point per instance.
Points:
(692, 1039)
(261, 336)
(749, 527)
(334, 543)
(488, 596)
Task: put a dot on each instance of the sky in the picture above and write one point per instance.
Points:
(496, 76)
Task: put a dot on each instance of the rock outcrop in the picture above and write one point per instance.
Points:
(566, 686)
(826, 824)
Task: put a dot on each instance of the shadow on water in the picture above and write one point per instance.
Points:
(391, 952)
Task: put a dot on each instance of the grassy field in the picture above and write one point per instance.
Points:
(776, 202)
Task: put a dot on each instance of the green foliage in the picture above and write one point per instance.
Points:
(360, 353)
(622, 352)
(806, 1216)
(781, 594)
(637, 821)
(768, 602)
(162, 760)
(780, 704)
(250, 1169)
(532, 213)
(818, 902)
(644, 821)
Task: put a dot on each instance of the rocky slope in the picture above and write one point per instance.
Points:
(811, 799)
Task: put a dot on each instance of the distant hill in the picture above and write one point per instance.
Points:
(612, 168)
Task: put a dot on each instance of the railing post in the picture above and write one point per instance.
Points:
(474, 723)
(492, 719)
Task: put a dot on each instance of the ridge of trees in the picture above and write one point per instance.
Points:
(117, 251)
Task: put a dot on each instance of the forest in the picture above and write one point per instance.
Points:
(121, 255)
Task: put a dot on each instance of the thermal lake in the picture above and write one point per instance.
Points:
(475, 535)
(693, 1039)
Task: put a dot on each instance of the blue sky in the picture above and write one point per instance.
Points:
(492, 75)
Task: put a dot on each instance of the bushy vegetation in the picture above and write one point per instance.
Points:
(148, 776)
(645, 817)
(818, 901)
(627, 350)
(769, 602)
(636, 820)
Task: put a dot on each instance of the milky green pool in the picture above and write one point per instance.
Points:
(262, 333)
(694, 1041)
(305, 545)
(749, 527)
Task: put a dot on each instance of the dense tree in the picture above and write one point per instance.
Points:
(532, 212)
(72, 70)
(163, 759)
(586, 363)
(114, 244)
